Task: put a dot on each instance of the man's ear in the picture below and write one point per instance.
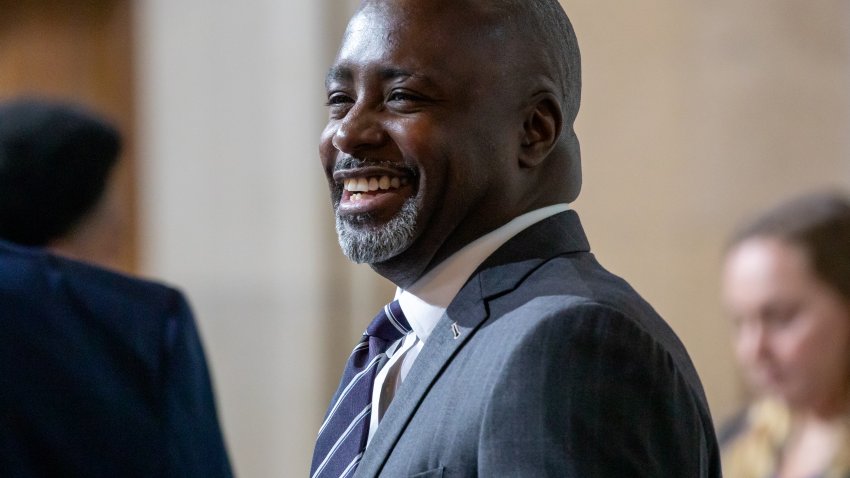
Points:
(541, 129)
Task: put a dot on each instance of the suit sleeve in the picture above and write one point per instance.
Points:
(196, 446)
(587, 393)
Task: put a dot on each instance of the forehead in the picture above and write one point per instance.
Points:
(416, 37)
(767, 265)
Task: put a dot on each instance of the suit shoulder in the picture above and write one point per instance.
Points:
(575, 285)
(71, 305)
(581, 275)
(45, 273)
(109, 290)
(36, 284)
(577, 295)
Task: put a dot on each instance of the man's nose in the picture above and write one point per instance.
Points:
(359, 130)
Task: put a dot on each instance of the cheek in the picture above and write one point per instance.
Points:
(816, 348)
(794, 351)
(415, 138)
(327, 151)
(424, 148)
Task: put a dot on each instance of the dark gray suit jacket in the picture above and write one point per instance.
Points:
(561, 369)
(101, 375)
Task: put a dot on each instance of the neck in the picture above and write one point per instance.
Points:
(410, 265)
(812, 445)
(407, 267)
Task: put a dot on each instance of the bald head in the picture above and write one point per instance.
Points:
(548, 39)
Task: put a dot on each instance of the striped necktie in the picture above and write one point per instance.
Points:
(343, 434)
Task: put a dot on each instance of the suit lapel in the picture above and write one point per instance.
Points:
(501, 272)
(435, 355)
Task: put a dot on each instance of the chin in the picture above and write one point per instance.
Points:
(367, 241)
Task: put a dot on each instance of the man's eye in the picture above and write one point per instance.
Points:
(402, 96)
(338, 99)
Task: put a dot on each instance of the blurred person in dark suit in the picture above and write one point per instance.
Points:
(786, 284)
(101, 375)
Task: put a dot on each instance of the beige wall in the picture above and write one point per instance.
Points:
(695, 114)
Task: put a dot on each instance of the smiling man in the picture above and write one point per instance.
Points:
(509, 351)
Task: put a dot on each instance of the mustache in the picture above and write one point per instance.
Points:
(350, 162)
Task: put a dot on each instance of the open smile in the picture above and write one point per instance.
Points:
(356, 188)
(377, 191)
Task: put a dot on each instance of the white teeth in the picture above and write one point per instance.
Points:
(351, 184)
(362, 185)
(356, 196)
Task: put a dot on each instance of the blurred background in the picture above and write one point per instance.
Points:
(695, 115)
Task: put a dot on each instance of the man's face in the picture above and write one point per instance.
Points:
(422, 135)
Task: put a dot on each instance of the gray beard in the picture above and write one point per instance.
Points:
(362, 243)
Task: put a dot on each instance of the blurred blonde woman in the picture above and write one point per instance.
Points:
(786, 285)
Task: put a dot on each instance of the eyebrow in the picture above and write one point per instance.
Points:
(337, 73)
(394, 73)
(343, 73)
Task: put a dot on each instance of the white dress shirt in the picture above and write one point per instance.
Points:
(425, 302)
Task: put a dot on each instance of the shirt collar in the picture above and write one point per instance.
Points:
(425, 302)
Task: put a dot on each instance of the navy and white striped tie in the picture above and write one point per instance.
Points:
(343, 434)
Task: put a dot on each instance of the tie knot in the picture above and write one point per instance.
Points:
(390, 323)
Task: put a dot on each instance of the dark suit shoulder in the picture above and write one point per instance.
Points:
(102, 374)
(577, 280)
(45, 275)
(575, 324)
(117, 291)
(91, 312)
(580, 274)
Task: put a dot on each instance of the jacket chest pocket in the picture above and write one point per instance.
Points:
(435, 473)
